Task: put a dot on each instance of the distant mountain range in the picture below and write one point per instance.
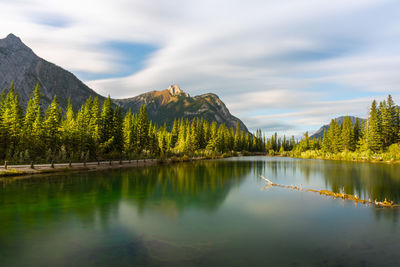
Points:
(320, 132)
(19, 64)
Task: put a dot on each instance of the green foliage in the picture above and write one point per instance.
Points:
(376, 140)
(92, 133)
(52, 128)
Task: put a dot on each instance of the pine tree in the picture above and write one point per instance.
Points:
(33, 112)
(94, 128)
(117, 131)
(237, 143)
(142, 129)
(52, 128)
(326, 144)
(128, 133)
(393, 120)
(152, 143)
(12, 123)
(357, 130)
(106, 127)
(347, 135)
(374, 135)
(398, 121)
(107, 116)
(3, 133)
(334, 136)
(386, 124)
(174, 133)
(69, 133)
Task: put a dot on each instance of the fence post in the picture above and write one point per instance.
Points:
(52, 164)
(5, 164)
(32, 167)
(70, 164)
(110, 162)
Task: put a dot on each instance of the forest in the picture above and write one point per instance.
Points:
(376, 138)
(102, 133)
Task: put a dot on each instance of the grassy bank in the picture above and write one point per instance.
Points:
(390, 156)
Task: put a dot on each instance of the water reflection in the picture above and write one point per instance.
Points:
(367, 180)
(92, 196)
(194, 214)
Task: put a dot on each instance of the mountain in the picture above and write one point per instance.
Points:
(163, 106)
(19, 64)
(320, 132)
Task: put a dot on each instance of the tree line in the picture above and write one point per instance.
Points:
(97, 133)
(379, 133)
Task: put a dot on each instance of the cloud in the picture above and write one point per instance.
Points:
(286, 65)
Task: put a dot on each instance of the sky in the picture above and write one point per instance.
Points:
(285, 66)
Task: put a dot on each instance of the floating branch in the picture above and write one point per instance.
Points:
(354, 198)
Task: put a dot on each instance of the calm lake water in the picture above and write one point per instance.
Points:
(209, 213)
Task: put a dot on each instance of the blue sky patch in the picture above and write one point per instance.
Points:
(52, 20)
(131, 58)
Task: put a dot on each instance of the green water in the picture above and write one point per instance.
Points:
(210, 213)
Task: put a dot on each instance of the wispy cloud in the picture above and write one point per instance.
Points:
(281, 65)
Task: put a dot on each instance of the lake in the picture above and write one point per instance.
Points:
(205, 213)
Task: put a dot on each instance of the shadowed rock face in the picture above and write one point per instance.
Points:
(19, 64)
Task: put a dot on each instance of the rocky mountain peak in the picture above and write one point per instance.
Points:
(12, 42)
(176, 90)
(11, 36)
(19, 64)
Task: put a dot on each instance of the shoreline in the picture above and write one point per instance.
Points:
(14, 171)
(20, 171)
(347, 160)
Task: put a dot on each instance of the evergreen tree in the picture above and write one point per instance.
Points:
(33, 112)
(107, 116)
(357, 131)
(12, 121)
(326, 144)
(374, 135)
(142, 129)
(237, 143)
(393, 121)
(106, 127)
(347, 135)
(52, 128)
(94, 128)
(128, 132)
(334, 136)
(174, 133)
(117, 131)
(69, 133)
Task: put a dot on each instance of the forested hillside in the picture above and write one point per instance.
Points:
(94, 133)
